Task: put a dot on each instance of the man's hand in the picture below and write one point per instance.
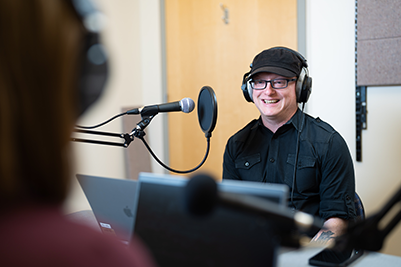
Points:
(332, 228)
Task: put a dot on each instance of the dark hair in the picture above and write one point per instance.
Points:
(39, 50)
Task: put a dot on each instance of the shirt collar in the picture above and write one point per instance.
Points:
(295, 119)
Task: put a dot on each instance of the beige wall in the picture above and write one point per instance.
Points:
(133, 40)
(133, 36)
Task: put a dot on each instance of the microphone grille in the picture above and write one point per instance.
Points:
(187, 105)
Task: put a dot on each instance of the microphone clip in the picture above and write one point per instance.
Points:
(138, 131)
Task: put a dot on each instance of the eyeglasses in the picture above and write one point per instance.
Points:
(276, 83)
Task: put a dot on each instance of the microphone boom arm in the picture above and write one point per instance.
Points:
(128, 138)
(139, 133)
(371, 233)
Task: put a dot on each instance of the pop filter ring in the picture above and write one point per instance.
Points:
(207, 110)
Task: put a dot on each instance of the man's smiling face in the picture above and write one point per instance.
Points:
(275, 105)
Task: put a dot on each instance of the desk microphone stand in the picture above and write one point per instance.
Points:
(139, 133)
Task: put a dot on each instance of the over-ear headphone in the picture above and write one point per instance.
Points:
(94, 65)
(303, 87)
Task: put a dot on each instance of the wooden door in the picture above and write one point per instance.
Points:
(202, 49)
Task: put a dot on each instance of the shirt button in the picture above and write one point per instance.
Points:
(271, 160)
(246, 164)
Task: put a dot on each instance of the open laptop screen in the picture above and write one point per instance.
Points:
(223, 238)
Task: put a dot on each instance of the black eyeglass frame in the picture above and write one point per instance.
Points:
(266, 82)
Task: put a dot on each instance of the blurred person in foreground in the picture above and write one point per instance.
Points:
(43, 90)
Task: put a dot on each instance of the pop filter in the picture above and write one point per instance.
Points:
(207, 110)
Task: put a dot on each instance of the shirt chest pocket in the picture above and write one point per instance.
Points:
(306, 177)
(247, 162)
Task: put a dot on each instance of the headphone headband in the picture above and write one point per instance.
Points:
(94, 65)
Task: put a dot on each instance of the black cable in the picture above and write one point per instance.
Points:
(103, 123)
(296, 155)
(170, 169)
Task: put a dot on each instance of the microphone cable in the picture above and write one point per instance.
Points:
(103, 123)
(170, 169)
(296, 156)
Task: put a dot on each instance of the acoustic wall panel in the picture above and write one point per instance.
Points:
(378, 42)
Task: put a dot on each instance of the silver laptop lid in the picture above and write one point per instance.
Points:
(112, 202)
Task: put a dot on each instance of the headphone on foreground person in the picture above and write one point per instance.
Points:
(304, 82)
(94, 65)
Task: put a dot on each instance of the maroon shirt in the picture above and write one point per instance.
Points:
(42, 236)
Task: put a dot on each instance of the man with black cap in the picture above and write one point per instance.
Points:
(268, 149)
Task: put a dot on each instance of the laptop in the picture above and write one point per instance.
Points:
(112, 202)
(224, 238)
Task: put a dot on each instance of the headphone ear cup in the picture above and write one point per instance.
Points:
(94, 72)
(303, 87)
(250, 91)
(247, 91)
(246, 87)
(306, 89)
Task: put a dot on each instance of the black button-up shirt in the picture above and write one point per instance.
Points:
(324, 178)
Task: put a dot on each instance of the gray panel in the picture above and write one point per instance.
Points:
(379, 19)
(379, 62)
(379, 42)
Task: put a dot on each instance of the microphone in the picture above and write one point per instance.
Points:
(202, 197)
(185, 105)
